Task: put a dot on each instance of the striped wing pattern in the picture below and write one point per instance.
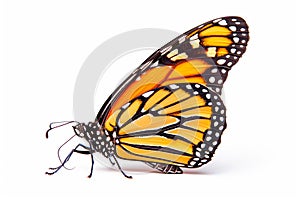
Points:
(178, 124)
(203, 55)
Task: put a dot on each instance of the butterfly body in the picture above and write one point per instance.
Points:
(169, 112)
(98, 140)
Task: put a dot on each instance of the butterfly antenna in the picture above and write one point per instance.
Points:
(54, 125)
(58, 152)
(62, 123)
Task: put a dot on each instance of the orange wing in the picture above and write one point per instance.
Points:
(179, 124)
(202, 55)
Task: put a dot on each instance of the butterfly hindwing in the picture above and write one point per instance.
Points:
(177, 124)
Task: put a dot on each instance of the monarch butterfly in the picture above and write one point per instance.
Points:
(169, 113)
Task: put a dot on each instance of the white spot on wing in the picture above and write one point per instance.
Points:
(211, 51)
(147, 94)
(221, 61)
(236, 39)
(172, 53)
(138, 78)
(233, 28)
(216, 123)
(194, 37)
(223, 22)
(180, 57)
(174, 86)
(217, 20)
(195, 43)
(223, 71)
(192, 163)
(215, 70)
(126, 105)
(155, 64)
(212, 79)
(188, 87)
(204, 90)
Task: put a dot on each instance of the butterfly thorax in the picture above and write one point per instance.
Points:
(99, 140)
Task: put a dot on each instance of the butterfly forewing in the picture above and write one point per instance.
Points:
(202, 55)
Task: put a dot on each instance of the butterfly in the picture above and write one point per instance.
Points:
(169, 112)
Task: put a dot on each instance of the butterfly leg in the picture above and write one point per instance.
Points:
(86, 152)
(116, 161)
(92, 167)
(111, 161)
(165, 168)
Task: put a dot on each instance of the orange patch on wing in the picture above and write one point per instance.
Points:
(159, 141)
(189, 68)
(216, 41)
(188, 103)
(194, 136)
(147, 122)
(125, 155)
(198, 124)
(110, 123)
(215, 30)
(205, 27)
(176, 96)
(157, 96)
(202, 111)
(129, 112)
(158, 154)
(147, 81)
(199, 80)
(162, 76)
(222, 51)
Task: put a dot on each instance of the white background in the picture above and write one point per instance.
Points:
(45, 44)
